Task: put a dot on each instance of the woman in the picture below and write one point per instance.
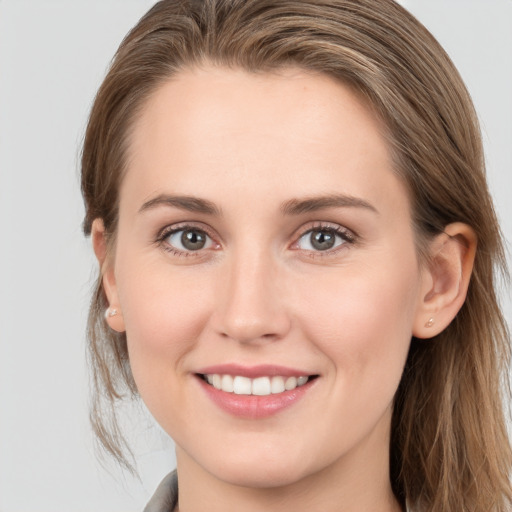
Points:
(288, 204)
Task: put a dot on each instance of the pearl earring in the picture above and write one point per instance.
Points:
(110, 312)
(430, 322)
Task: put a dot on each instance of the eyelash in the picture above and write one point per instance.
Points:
(166, 232)
(348, 238)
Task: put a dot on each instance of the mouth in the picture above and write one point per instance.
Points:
(255, 392)
(259, 386)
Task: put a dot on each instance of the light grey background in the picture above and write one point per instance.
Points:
(53, 55)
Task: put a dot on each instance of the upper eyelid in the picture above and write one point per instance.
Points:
(322, 225)
(183, 226)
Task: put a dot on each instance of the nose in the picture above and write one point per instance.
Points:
(251, 306)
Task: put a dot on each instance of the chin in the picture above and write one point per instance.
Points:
(259, 478)
(260, 472)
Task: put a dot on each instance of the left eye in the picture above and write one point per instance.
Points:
(321, 240)
(189, 240)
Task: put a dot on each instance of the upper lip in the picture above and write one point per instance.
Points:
(252, 372)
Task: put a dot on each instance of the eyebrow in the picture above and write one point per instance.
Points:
(188, 203)
(291, 207)
(312, 204)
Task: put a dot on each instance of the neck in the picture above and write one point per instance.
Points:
(356, 482)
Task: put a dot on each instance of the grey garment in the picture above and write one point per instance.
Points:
(165, 498)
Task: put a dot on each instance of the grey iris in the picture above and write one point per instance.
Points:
(322, 240)
(193, 240)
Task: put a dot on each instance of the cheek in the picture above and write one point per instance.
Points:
(362, 320)
(164, 314)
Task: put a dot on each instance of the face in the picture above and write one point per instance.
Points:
(266, 272)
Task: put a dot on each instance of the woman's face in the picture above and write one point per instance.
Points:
(263, 236)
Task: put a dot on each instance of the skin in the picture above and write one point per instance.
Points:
(259, 292)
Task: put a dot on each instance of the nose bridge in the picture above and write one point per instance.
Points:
(252, 308)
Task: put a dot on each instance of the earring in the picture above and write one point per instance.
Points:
(110, 312)
(430, 322)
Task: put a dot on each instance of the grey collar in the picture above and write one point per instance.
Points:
(165, 498)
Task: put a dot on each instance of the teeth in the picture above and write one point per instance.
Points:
(261, 386)
(242, 386)
(291, 383)
(227, 383)
(301, 380)
(277, 385)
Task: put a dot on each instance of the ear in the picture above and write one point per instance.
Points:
(445, 280)
(113, 315)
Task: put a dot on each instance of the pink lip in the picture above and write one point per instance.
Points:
(251, 406)
(252, 372)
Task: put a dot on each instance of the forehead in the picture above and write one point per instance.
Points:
(291, 130)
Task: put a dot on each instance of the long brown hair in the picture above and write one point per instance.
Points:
(449, 447)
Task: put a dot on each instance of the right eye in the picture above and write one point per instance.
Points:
(187, 239)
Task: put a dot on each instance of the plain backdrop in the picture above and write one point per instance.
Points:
(53, 55)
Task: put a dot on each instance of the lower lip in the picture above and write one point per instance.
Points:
(253, 406)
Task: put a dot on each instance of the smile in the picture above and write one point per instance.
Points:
(260, 386)
(255, 392)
